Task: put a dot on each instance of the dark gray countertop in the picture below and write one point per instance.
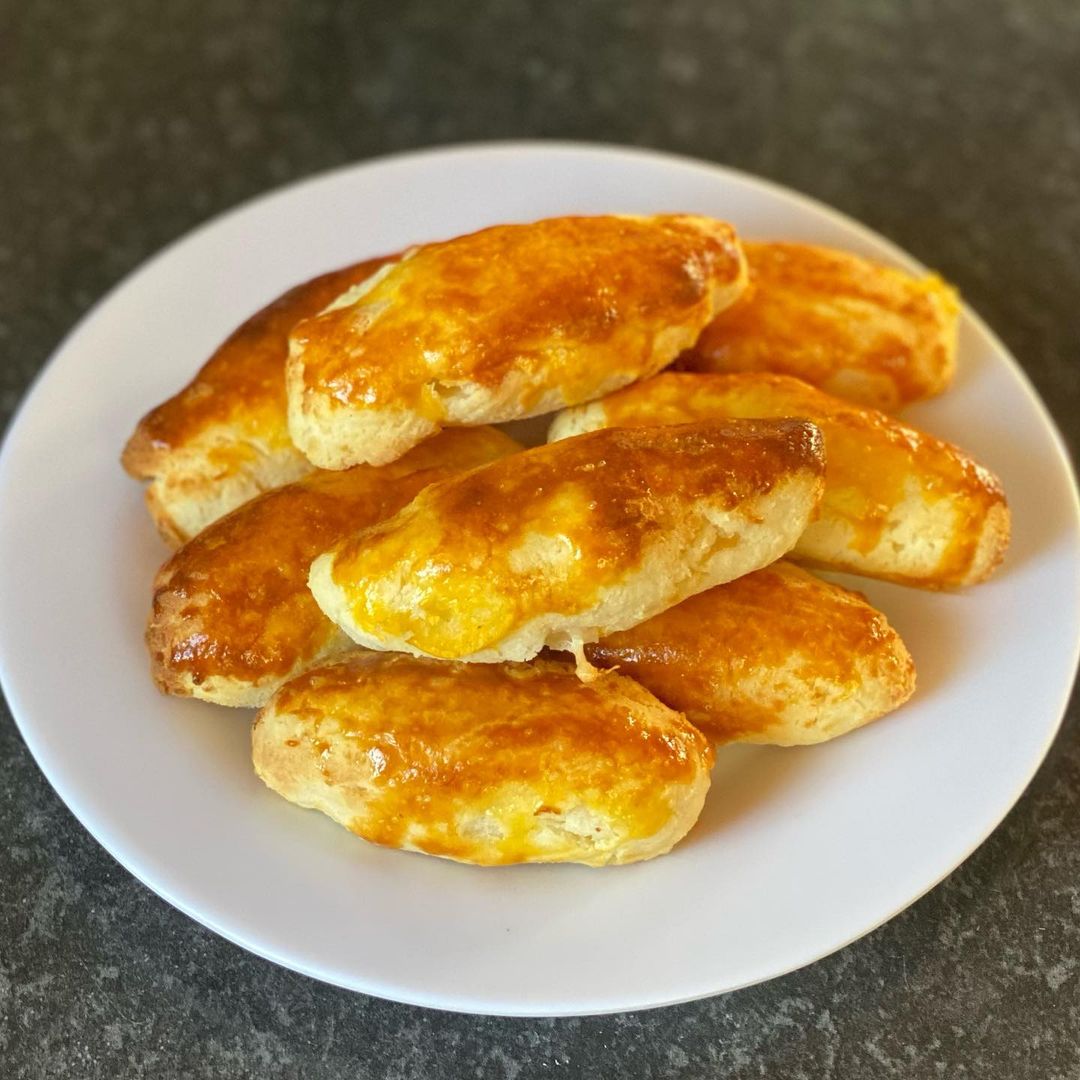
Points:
(952, 127)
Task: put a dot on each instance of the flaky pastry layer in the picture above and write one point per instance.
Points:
(224, 438)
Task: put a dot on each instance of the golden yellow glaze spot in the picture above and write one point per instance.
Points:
(871, 458)
(242, 385)
(477, 556)
(701, 656)
(434, 748)
(564, 303)
(234, 603)
(854, 327)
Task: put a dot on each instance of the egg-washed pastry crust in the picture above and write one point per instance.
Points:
(899, 504)
(486, 763)
(232, 616)
(509, 322)
(857, 329)
(224, 438)
(777, 656)
(567, 542)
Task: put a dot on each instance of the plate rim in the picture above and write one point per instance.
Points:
(52, 769)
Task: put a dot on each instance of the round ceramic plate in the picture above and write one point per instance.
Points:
(798, 851)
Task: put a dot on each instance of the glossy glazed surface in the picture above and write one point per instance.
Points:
(873, 462)
(566, 302)
(233, 603)
(854, 327)
(730, 658)
(242, 385)
(486, 763)
(475, 558)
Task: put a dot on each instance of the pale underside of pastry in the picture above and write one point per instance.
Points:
(777, 656)
(224, 438)
(483, 763)
(857, 329)
(509, 322)
(899, 504)
(572, 541)
(232, 616)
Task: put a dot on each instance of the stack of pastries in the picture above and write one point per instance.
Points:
(464, 647)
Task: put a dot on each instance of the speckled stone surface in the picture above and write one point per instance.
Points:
(952, 127)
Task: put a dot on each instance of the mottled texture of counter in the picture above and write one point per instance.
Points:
(953, 128)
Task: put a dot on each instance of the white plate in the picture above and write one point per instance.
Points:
(798, 852)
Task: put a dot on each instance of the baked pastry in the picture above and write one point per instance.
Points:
(486, 763)
(232, 617)
(224, 438)
(509, 322)
(778, 656)
(569, 542)
(860, 330)
(899, 504)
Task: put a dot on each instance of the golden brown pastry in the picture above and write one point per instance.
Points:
(568, 542)
(860, 330)
(233, 618)
(508, 322)
(778, 656)
(486, 763)
(225, 438)
(899, 504)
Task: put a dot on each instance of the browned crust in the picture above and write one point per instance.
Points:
(246, 371)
